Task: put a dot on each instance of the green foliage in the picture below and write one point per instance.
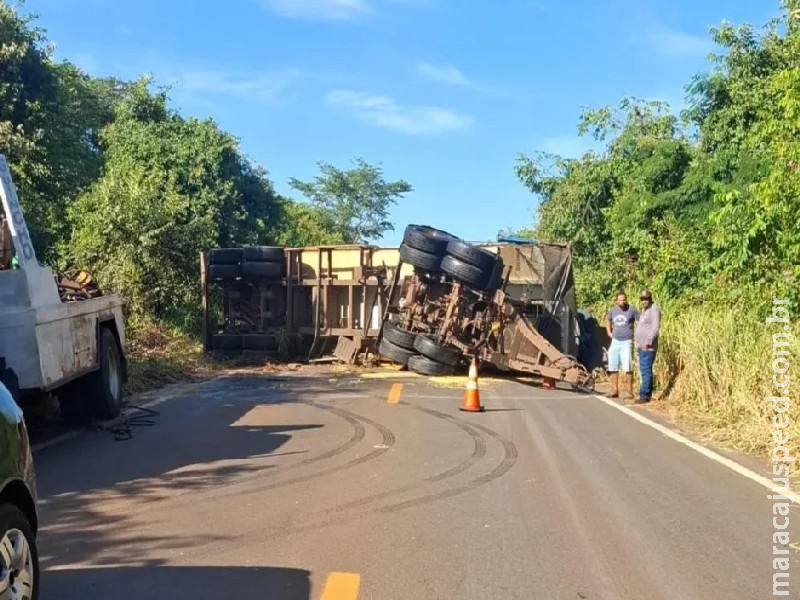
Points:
(171, 188)
(306, 224)
(699, 208)
(358, 200)
(49, 116)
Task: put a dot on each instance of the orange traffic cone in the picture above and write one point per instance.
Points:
(472, 395)
(548, 383)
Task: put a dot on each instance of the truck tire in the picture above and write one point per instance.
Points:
(469, 275)
(217, 272)
(428, 347)
(394, 352)
(399, 337)
(262, 270)
(14, 523)
(472, 255)
(425, 366)
(424, 261)
(225, 256)
(427, 239)
(105, 384)
(263, 254)
(226, 342)
(259, 342)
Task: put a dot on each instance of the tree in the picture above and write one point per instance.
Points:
(306, 224)
(171, 188)
(358, 200)
(49, 116)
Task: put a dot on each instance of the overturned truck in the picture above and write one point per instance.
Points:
(511, 306)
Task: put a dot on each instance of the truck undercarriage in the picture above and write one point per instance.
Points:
(456, 308)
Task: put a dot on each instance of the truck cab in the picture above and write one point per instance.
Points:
(51, 341)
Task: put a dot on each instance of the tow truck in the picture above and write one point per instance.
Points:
(57, 335)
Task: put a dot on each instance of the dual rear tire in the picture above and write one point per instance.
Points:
(419, 352)
(434, 252)
(253, 263)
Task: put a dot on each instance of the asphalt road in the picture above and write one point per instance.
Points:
(302, 487)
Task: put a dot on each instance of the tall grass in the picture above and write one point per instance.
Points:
(714, 371)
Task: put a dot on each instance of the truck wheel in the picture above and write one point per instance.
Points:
(19, 560)
(472, 255)
(259, 342)
(469, 275)
(264, 254)
(428, 347)
(427, 239)
(262, 270)
(106, 383)
(425, 366)
(394, 352)
(399, 337)
(216, 272)
(424, 261)
(225, 256)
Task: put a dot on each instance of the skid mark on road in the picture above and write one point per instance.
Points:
(478, 452)
(341, 586)
(509, 458)
(257, 538)
(387, 442)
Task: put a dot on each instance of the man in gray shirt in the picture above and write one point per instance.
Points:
(619, 326)
(647, 343)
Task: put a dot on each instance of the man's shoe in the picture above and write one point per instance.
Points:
(642, 400)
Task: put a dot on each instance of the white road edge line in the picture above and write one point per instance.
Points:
(708, 453)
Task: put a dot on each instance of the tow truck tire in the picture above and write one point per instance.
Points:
(469, 275)
(399, 337)
(472, 255)
(105, 385)
(427, 239)
(425, 366)
(428, 347)
(424, 261)
(394, 352)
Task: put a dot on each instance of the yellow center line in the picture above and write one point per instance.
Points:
(394, 393)
(341, 586)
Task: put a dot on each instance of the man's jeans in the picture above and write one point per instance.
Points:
(646, 360)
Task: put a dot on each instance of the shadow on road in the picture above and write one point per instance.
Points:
(176, 441)
(98, 496)
(177, 583)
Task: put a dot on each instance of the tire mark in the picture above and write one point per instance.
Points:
(258, 537)
(509, 458)
(508, 461)
(387, 442)
(478, 452)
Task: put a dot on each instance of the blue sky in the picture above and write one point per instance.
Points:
(441, 93)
